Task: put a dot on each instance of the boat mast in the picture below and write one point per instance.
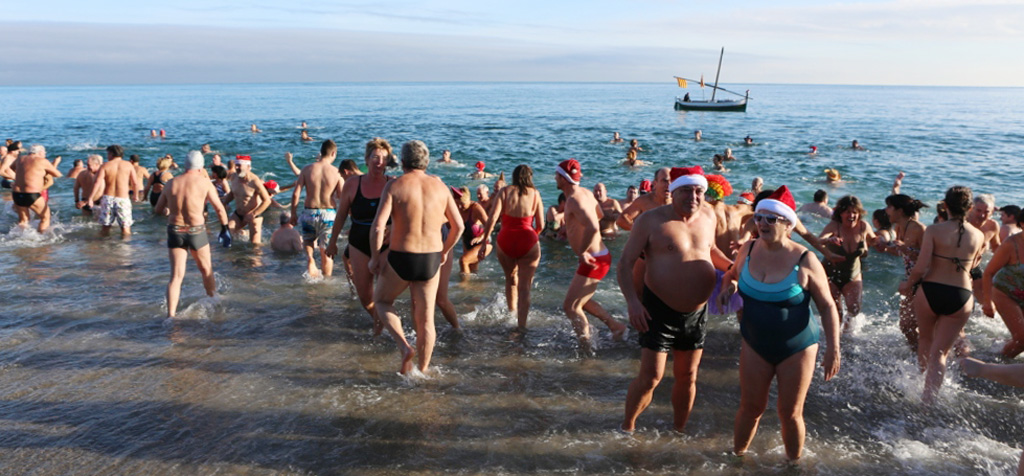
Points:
(713, 91)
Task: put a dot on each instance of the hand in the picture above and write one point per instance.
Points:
(835, 240)
(288, 156)
(374, 265)
(91, 204)
(79, 203)
(988, 310)
(295, 220)
(638, 316)
(905, 288)
(726, 294)
(482, 253)
(332, 249)
(587, 259)
(56, 161)
(444, 257)
(250, 218)
(971, 367)
(831, 363)
(833, 257)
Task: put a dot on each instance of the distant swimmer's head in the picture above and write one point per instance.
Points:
(415, 155)
(570, 171)
(480, 166)
(748, 140)
(814, 149)
(195, 160)
(833, 175)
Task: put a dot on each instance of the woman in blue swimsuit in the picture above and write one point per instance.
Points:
(777, 279)
(948, 251)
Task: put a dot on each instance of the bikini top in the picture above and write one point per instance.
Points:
(957, 261)
(787, 292)
(364, 209)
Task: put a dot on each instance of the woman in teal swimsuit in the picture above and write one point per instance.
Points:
(1003, 284)
(777, 279)
(847, 235)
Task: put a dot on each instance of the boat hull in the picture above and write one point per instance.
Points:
(720, 105)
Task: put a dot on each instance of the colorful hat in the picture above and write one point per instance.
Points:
(456, 191)
(780, 202)
(833, 175)
(271, 185)
(645, 186)
(814, 149)
(681, 176)
(718, 187)
(243, 158)
(570, 170)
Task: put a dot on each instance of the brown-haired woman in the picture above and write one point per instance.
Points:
(847, 235)
(473, 239)
(522, 215)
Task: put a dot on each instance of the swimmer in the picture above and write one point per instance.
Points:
(183, 201)
(716, 162)
(819, 207)
(84, 184)
(254, 129)
(727, 156)
(521, 210)
(679, 243)
(76, 168)
(883, 228)
(140, 172)
(474, 217)
(1008, 222)
(303, 125)
(778, 279)
(446, 157)
(205, 149)
(286, 239)
(554, 219)
(631, 160)
(419, 204)
(632, 193)
(832, 176)
(948, 252)
(610, 210)
(909, 235)
(251, 199)
(756, 185)
(616, 139)
(814, 150)
(581, 224)
(848, 234)
(156, 181)
(479, 174)
(305, 136)
(28, 190)
(856, 146)
(322, 183)
(748, 140)
(634, 145)
(115, 182)
(697, 135)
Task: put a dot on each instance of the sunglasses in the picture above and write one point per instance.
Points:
(769, 219)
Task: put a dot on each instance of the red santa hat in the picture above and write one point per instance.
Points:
(746, 198)
(270, 185)
(681, 176)
(645, 186)
(480, 165)
(780, 202)
(570, 170)
(246, 158)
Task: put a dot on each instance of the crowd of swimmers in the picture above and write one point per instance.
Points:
(688, 254)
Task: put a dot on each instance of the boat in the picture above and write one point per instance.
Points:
(686, 104)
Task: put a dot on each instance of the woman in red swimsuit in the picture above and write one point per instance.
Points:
(522, 216)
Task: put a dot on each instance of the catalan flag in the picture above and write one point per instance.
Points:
(702, 81)
(682, 82)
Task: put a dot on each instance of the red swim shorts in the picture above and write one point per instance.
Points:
(599, 269)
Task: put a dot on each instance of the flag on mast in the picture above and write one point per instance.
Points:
(702, 81)
(681, 81)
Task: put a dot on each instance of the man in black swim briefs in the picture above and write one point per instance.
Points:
(679, 242)
(29, 185)
(418, 205)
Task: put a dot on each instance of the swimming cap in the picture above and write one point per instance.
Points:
(780, 202)
(570, 170)
(194, 160)
(681, 176)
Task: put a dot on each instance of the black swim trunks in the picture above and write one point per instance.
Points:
(22, 199)
(187, 237)
(670, 329)
(415, 266)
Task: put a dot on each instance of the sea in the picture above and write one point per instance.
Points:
(280, 375)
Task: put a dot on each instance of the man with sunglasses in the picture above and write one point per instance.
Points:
(671, 316)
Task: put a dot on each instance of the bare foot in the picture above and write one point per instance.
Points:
(407, 356)
(378, 327)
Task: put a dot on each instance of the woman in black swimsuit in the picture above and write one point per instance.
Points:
(847, 235)
(157, 180)
(909, 231)
(360, 197)
(948, 251)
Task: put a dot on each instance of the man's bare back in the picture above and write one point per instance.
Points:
(322, 182)
(580, 217)
(186, 197)
(118, 177)
(415, 198)
(30, 171)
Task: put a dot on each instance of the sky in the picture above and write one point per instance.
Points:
(882, 42)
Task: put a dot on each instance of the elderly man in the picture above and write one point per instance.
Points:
(418, 205)
(85, 182)
(115, 182)
(30, 172)
(671, 316)
(251, 199)
(184, 200)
